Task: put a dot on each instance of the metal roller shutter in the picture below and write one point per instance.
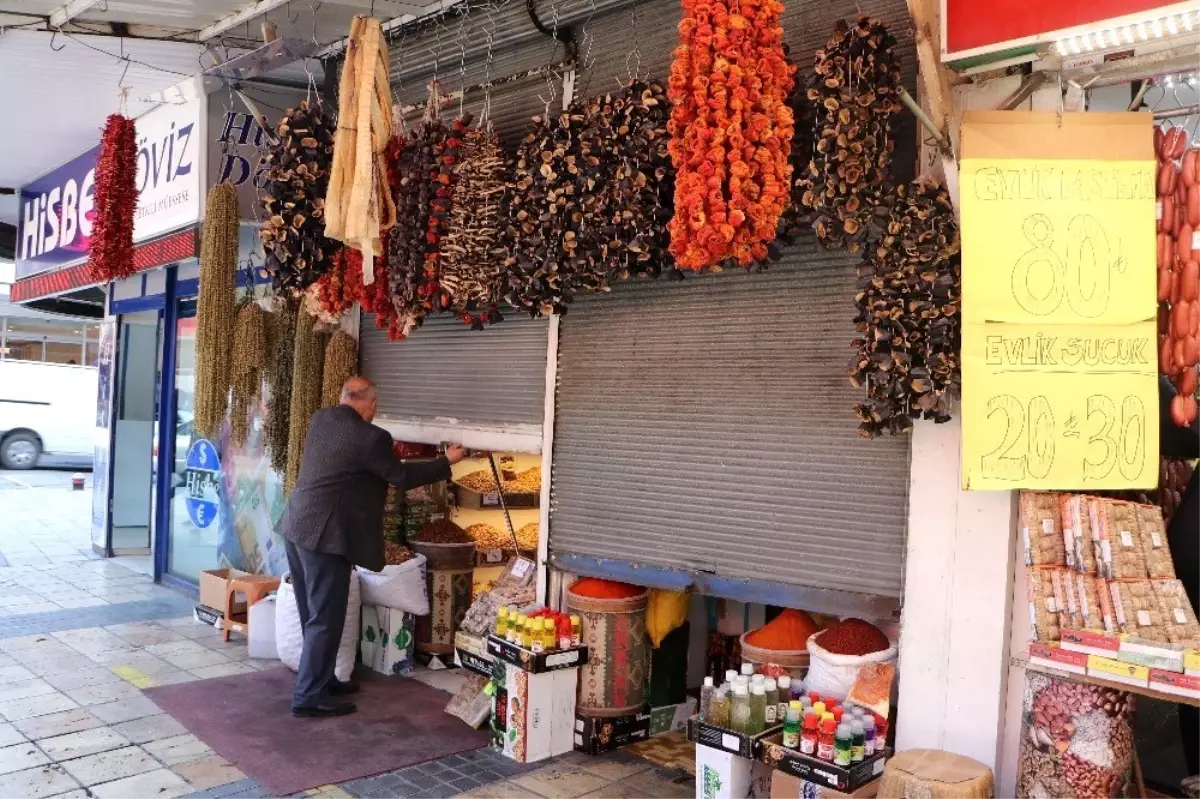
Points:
(707, 427)
(446, 371)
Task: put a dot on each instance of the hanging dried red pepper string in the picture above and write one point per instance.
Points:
(116, 195)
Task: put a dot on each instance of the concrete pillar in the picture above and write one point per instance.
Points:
(954, 640)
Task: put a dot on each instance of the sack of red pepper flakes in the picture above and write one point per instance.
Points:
(835, 655)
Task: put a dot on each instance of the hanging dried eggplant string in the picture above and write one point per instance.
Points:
(797, 219)
(853, 93)
(279, 382)
(214, 308)
(247, 365)
(307, 374)
(294, 184)
(908, 318)
(341, 364)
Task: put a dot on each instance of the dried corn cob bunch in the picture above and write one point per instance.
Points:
(307, 373)
(214, 308)
(908, 312)
(282, 343)
(470, 266)
(853, 90)
(246, 367)
(341, 363)
(295, 180)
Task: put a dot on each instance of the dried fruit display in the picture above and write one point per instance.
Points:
(1041, 529)
(1152, 532)
(853, 92)
(908, 321)
(1045, 593)
(731, 132)
(341, 364)
(110, 256)
(1077, 740)
(1178, 230)
(282, 345)
(1136, 610)
(469, 278)
(1115, 526)
(294, 183)
(1175, 610)
(359, 205)
(214, 308)
(307, 370)
(246, 367)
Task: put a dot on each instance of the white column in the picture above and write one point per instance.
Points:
(954, 641)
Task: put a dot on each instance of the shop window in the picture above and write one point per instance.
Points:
(17, 350)
(59, 352)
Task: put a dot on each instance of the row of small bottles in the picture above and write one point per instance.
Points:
(541, 631)
(750, 703)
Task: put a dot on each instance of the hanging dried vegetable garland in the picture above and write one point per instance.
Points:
(853, 91)
(246, 367)
(307, 373)
(341, 364)
(282, 342)
(796, 218)
(908, 317)
(731, 132)
(115, 200)
(336, 291)
(295, 180)
(214, 308)
(447, 154)
(470, 268)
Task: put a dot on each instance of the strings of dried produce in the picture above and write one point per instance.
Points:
(282, 342)
(447, 155)
(294, 183)
(853, 92)
(470, 268)
(115, 200)
(336, 291)
(341, 363)
(731, 132)
(795, 218)
(908, 318)
(307, 374)
(359, 205)
(247, 365)
(214, 308)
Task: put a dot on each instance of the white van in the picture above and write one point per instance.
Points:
(46, 409)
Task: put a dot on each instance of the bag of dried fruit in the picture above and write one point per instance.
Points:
(836, 653)
(401, 586)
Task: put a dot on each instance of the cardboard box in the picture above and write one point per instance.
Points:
(1056, 657)
(1115, 670)
(724, 775)
(1170, 682)
(1090, 643)
(471, 653)
(747, 746)
(1152, 654)
(785, 786)
(213, 589)
(387, 639)
(536, 662)
(533, 713)
(595, 735)
(840, 778)
(672, 718)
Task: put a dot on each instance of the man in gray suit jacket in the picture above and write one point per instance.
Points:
(333, 521)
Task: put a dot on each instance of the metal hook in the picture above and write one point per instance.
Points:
(54, 36)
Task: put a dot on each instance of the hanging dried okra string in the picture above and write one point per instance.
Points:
(279, 383)
(307, 372)
(341, 363)
(214, 308)
(247, 365)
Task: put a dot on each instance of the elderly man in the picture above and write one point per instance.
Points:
(333, 521)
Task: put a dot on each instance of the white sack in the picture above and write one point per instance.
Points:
(401, 587)
(289, 638)
(834, 675)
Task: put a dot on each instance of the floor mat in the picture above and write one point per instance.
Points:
(670, 750)
(247, 720)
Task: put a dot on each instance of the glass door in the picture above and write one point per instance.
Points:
(134, 451)
(192, 525)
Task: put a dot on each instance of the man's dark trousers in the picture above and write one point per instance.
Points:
(322, 585)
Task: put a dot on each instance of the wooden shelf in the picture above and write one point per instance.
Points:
(1022, 662)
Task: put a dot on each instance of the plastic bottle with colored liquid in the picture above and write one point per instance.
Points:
(739, 710)
(869, 739)
(576, 630)
(843, 745)
(784, 686)
(501, 621)
(758, 709)
(772, 716)
(809, 734)
(706, 694)
(791, 728)
(825, 739)
(858, 743)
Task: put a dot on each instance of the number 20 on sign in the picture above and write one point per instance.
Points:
(1059, 344)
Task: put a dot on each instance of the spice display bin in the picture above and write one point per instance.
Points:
(536, 662)
(847, 779)
(595, 735)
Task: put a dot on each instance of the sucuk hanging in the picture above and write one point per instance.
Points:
(110, 256)
(853, 96)
(908, 320)
(731, 132)
(359, 206)
(295, 181)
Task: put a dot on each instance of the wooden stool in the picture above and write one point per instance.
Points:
(935, 774)
(254, 587)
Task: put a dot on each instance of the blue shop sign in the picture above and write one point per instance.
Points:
(202, 480)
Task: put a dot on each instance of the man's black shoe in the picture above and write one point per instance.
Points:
(324, 710)
(339, 688)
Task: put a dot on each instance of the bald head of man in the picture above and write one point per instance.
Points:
(359, 393)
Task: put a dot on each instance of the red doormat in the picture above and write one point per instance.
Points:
(247, 720)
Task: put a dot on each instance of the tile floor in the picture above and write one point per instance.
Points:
(82, 637)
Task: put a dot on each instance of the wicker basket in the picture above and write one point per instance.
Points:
(794, 660)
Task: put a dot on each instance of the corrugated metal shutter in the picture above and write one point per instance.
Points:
(444, 370)
(707, 426)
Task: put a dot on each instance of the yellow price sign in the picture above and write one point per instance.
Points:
(1059, 350)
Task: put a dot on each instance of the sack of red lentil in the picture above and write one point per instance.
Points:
(836, 653)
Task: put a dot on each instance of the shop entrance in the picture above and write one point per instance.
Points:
(136, 428)
(190, 547)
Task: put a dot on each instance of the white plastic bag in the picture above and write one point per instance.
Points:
(289, 638)
(401, 586)
(834, 675)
